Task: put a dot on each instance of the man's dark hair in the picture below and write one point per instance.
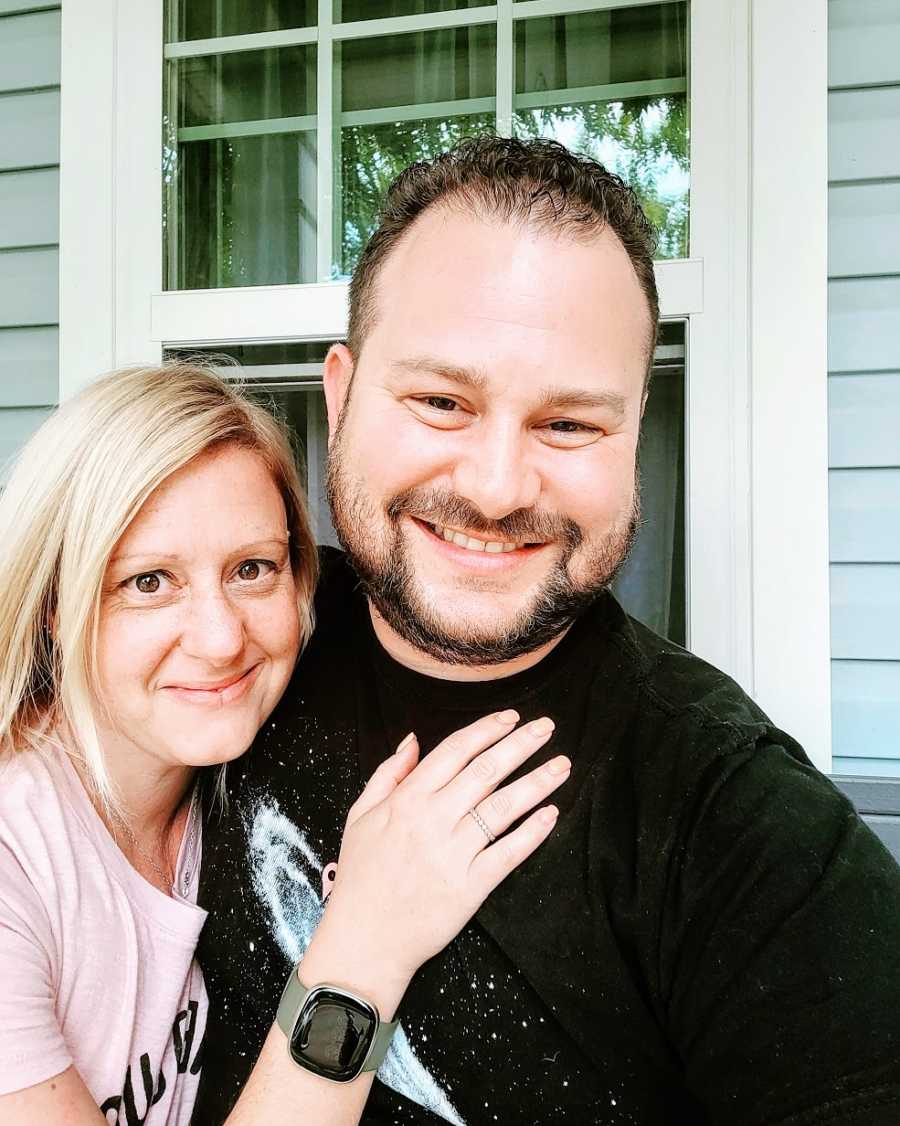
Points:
(539, 182)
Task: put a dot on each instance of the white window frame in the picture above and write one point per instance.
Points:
(752, 294)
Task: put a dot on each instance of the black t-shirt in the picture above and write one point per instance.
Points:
(710, 935)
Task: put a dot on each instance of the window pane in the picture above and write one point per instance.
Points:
(373, 155)
(652, 583)
(240, 169)
(241, 211)
(208, 19)
(405, 98)
(348, 10)
(568, 69)
(245, 86)
(429, 66)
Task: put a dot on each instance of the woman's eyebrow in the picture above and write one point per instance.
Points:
(170, 556)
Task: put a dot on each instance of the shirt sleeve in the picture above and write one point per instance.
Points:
(782, 950)
(32, 1047)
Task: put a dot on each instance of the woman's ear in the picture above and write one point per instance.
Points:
(337, 374)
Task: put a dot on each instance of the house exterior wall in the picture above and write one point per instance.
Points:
(29, 218)
(864, 384)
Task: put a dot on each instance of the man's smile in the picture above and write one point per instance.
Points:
(476, 551)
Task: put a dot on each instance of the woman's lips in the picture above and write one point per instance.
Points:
(217, 694)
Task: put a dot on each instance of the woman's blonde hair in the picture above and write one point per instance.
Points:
(75, 488)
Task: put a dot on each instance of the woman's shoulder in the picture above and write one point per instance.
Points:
(41, 815)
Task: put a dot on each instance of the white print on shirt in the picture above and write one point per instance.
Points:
(285, 871)
(183, 1031)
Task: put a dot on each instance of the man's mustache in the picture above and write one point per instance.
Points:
(523, 525)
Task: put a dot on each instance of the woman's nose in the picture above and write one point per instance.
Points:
(214, 630)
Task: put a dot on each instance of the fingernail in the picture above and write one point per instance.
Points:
(559, 765)
(509, 716)
(549, 814)
(406, 742)
(542, 726)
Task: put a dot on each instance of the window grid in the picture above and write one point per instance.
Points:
(329, 119)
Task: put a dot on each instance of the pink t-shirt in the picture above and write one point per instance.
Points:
(97, 966)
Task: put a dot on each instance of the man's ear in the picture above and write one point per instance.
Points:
(337, 373)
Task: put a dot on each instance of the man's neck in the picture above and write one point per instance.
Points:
(406, 654)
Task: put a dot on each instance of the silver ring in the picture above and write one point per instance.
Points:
(482, 825)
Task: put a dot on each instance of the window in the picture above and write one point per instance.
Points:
(281, 135)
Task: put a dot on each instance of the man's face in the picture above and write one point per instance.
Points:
(482, 471)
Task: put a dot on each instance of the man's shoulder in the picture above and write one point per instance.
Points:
(672, 692)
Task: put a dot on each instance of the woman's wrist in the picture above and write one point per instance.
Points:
(341, 958)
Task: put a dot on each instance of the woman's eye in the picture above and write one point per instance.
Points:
(252, 569)
(150, 582)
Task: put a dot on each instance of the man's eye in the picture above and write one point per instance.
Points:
(441, 402)
(568, 426)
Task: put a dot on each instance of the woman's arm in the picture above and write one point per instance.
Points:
(63, 1100)
(410, 832)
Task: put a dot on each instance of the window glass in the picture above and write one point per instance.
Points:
(348, 10)
(567, 69)
(243, 133)
(208, 19)
(240, 169)
(651, 586)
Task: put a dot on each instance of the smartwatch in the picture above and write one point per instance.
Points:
(331, 1031)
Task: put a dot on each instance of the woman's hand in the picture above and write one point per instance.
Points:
(414, 864)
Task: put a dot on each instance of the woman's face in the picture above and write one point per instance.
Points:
(199, 628)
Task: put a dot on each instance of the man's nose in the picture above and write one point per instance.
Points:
(214, 629)
(496, 472)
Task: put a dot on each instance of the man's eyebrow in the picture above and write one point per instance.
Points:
(432, 365)
(563, 398)
(555, 398)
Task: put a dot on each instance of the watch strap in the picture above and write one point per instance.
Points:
(293, 999)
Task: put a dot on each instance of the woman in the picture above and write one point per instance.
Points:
(158, 574)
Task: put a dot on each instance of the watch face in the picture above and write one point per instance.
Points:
(333, 1034)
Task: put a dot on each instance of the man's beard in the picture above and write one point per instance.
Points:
(386, 569)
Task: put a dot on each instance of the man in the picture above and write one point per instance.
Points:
(710, 935)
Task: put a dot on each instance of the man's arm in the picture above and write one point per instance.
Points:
(782, 951)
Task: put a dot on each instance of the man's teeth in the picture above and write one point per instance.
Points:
(472, 544)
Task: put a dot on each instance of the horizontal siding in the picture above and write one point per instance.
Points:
(863, 42)
(30, 51)
(29, 287)
(8, 7)
(864, 229)
(29, 129)
(29, 208)
(865, 612)
(864, 391)
(864, 134)
(866, 709)
(863, 325)
(29, 366)
(864, 518)
(864, 420)
(29, 220)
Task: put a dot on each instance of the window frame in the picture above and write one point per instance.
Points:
(751, 310)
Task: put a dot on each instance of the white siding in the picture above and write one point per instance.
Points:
(29, 219)
(864, 383)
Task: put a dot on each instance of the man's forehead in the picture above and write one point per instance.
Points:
(496, 278)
